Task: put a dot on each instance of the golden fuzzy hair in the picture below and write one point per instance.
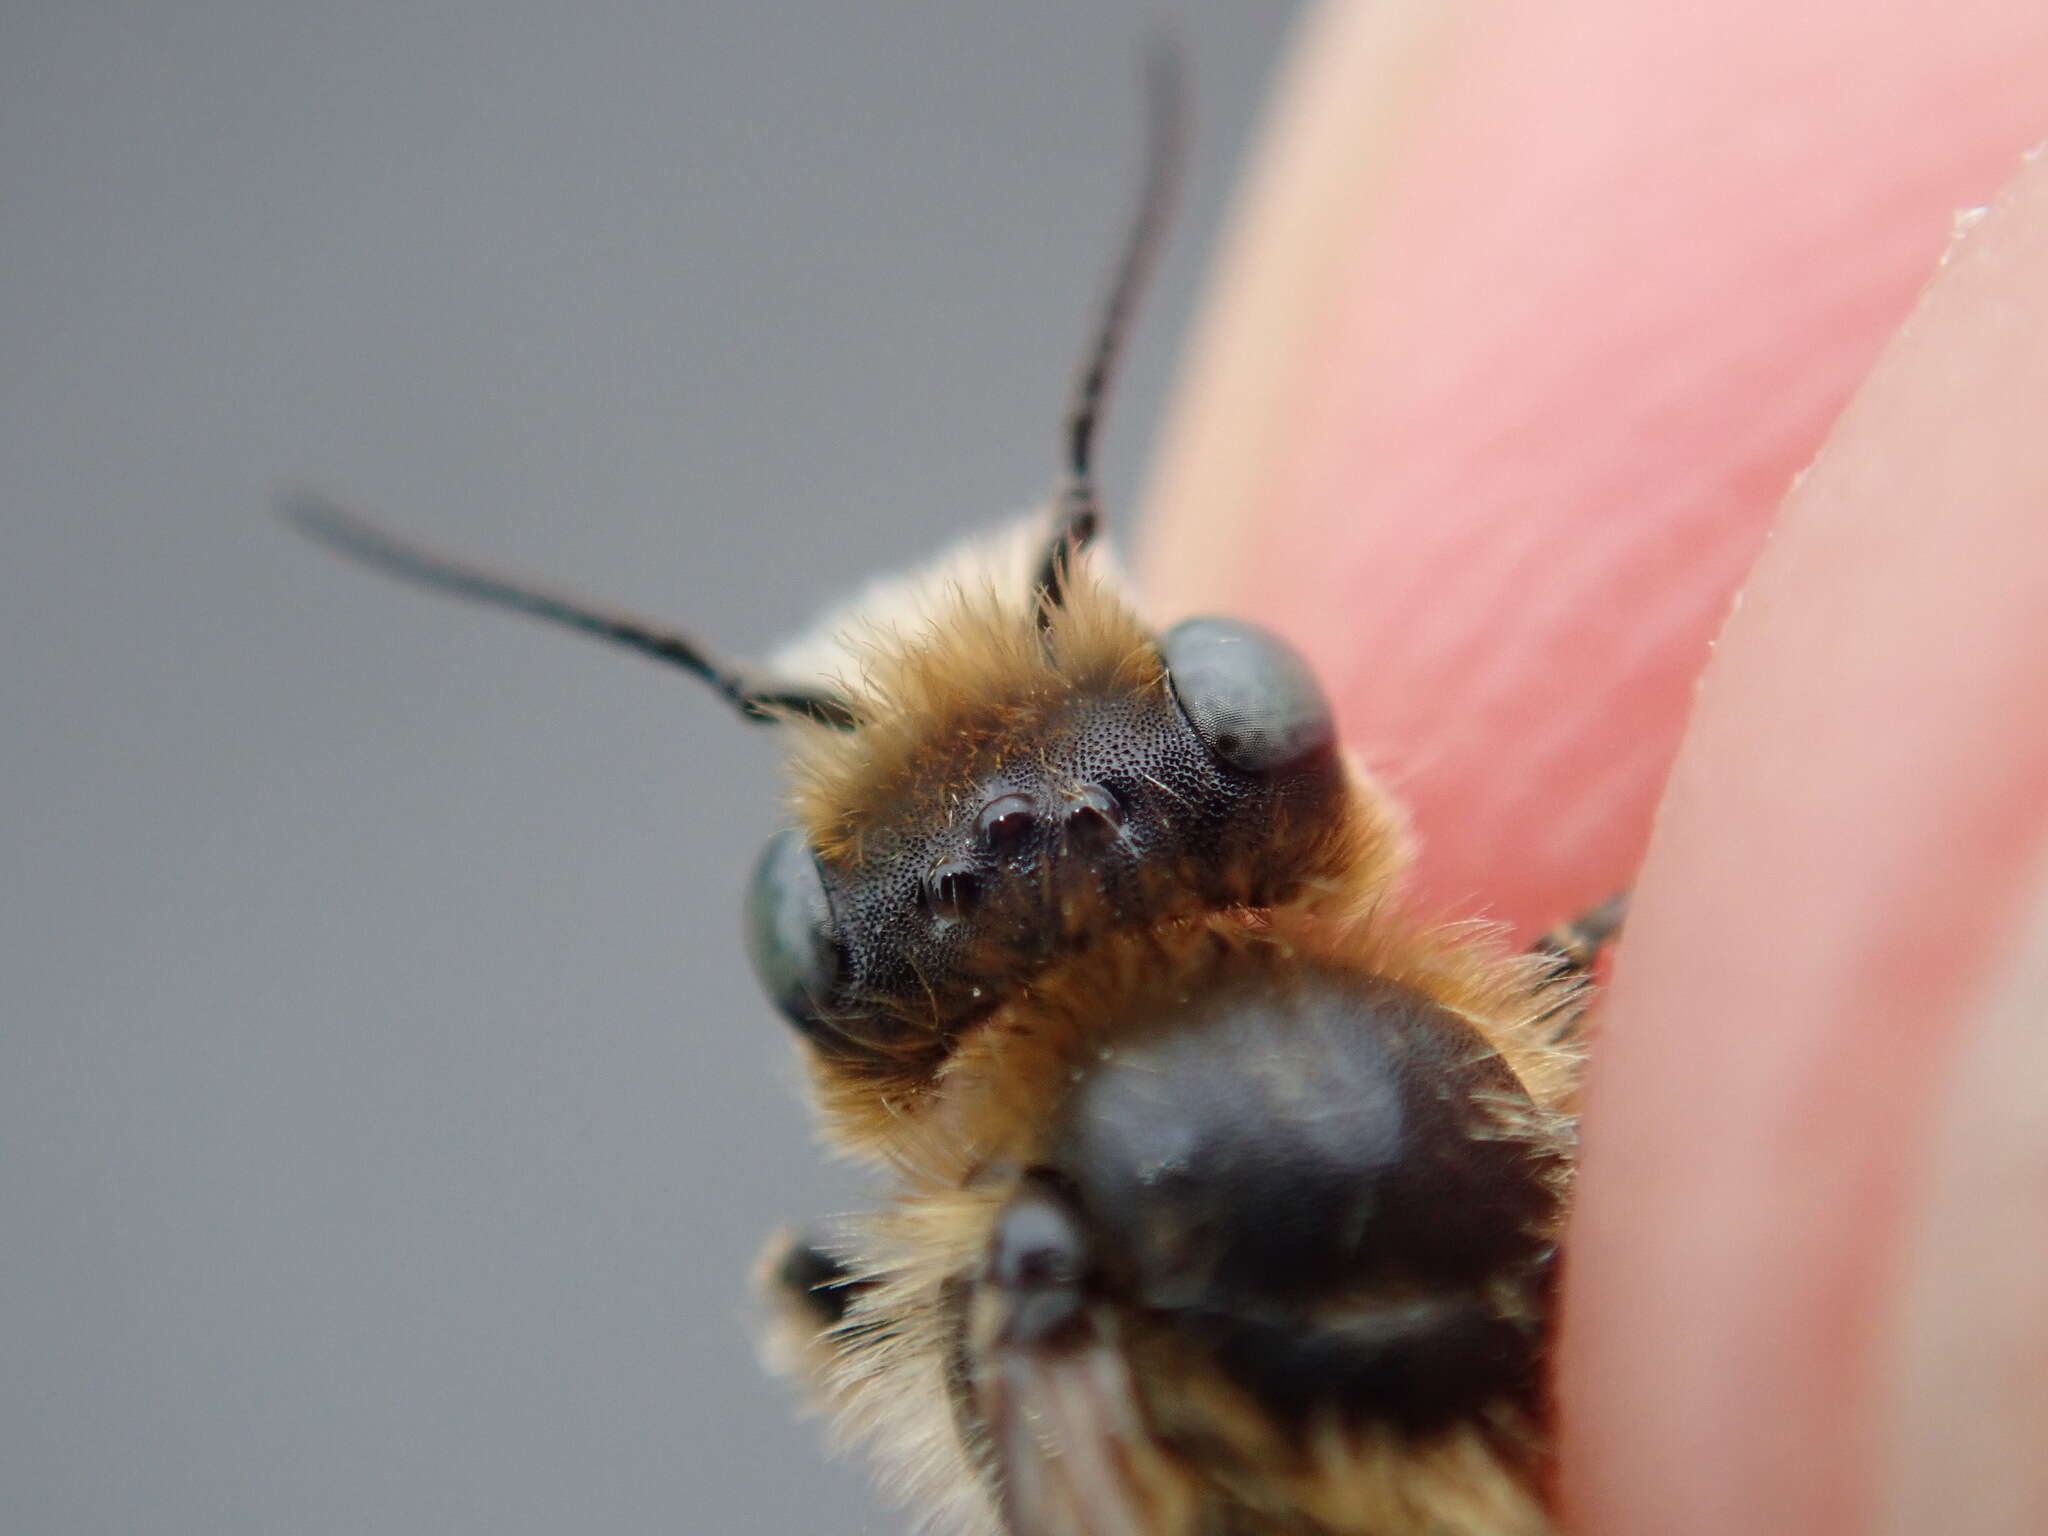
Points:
(993, 1087)
(990, 1099)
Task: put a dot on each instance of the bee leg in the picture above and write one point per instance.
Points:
(1573, 946)
(806, 1292)
(1572, 949)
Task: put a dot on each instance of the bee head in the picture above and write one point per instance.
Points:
(1014, 790)
(1027, 771)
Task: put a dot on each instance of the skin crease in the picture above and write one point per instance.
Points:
(1532, 316)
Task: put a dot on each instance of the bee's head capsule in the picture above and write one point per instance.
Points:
(1249, 695)
(1214, 783)
(1195, 771)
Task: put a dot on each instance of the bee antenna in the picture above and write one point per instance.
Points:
(756, 696)
(1076, 507)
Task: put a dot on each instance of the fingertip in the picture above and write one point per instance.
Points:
(1859, 806)
(1531, 315)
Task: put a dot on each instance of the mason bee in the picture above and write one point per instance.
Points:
(1226, 1198)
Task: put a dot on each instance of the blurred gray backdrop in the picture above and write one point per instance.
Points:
(387, 1116)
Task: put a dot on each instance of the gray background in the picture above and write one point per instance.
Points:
(387, 1117)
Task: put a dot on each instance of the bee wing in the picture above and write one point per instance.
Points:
(1073, 1455)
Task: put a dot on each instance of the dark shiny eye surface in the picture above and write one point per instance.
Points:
(1093, 815)
(950, 891)
(1249, 696)
(791, 936)
(1007, 824)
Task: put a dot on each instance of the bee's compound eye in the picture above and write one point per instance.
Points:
(1249, 696)
(790, 934)
(1007, 825)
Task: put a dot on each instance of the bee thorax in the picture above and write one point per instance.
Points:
(1327, 1191)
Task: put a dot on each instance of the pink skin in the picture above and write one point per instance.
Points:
(1532, 316)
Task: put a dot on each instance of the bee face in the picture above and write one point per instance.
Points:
(1076, 795)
